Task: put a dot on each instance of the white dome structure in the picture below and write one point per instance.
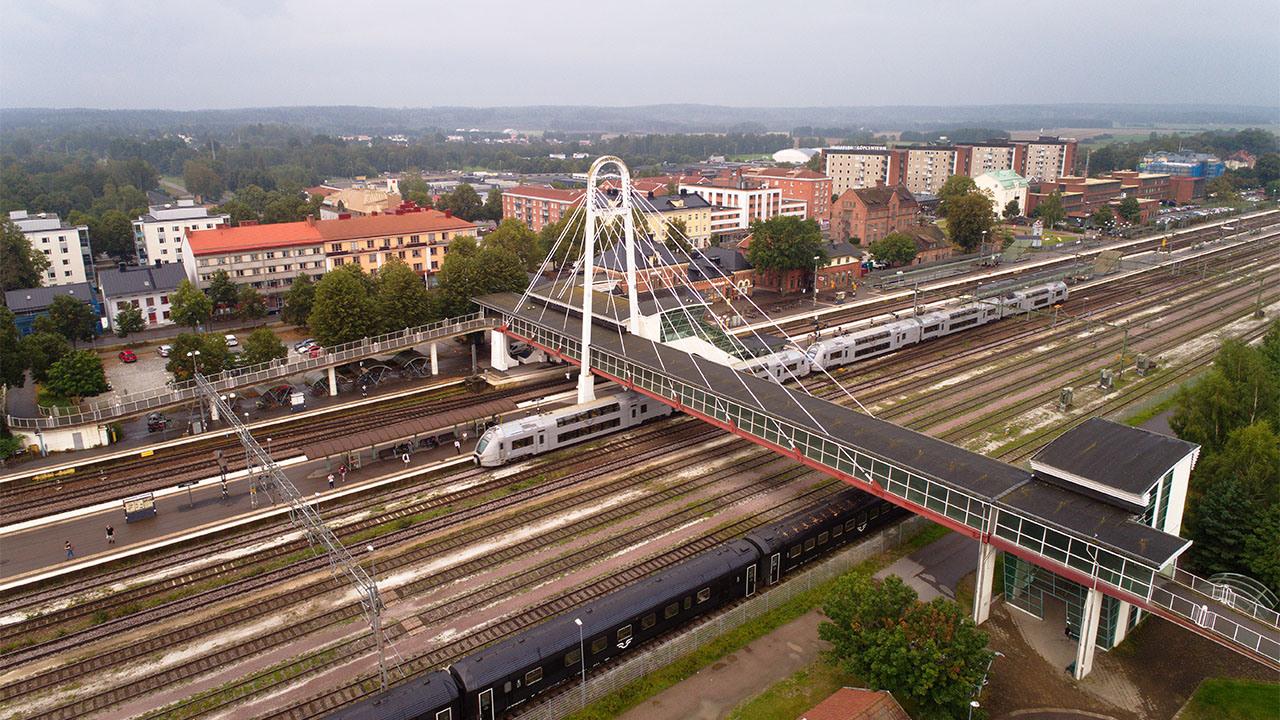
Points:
(794, 156)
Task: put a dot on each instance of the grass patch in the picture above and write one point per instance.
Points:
(789, 699)
(48, 398)
(1228, 699)
(655, 682)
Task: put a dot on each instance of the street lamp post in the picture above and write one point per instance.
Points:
(816, 259)
(195, 370)
(582, 660)
(978, 690)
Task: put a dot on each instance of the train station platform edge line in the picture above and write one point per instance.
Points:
(177, 442)
(220, 525)
(115, 504)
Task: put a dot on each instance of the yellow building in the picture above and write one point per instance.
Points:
(689, 208)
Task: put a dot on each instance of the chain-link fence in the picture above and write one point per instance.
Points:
(666, 652)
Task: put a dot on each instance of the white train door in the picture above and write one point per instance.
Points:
(751, 580)
(775, 568)
(486, 705)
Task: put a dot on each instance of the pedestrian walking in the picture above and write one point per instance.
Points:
(405, 458)
(111, 535)
(342, 474)
(330, 481)
(70, 551)
(457, 447)
(223, 484)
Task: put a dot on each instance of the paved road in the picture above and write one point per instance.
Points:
(935, 569)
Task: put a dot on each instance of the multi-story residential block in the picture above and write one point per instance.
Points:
(797, 184)
(862, 166)
(927, 168)
(871, 213)
(265, 257)
(157, 236)
(65, 246)
(27, 304)
(748, 199)
(415, 235)
(1003, 186)
(1197, 165)
(1047, 158)
(974, 159)
(146, 288)
(359, 201)
(538, 206)
(689, 208)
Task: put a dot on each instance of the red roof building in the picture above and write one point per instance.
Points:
(538, 206)
(856, 704)
(871, 213)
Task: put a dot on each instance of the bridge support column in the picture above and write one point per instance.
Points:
(984, 582)
(435, 361)
(498, 358)
(586, 387)
(1090, 614)
(333, 381)
(1122, 622)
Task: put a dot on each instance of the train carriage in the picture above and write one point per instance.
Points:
(560, 428)
(512, 671)
(781, 366)
(434, 696)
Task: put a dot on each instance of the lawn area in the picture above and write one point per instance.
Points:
(48, 398)
(1226, 699)
(791, 697)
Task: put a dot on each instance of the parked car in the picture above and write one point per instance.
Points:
(156, 422)
(128, 356)
(231, 340)
(304, 347)
(164, 350)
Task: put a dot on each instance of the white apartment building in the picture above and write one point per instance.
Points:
(145, 287)
(157, 236)
(65, 246)
(747, 202)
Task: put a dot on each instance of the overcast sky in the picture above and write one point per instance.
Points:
(223, 54)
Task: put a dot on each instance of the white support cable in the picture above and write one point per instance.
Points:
(669, 228)
(738, 374)
(549, 258)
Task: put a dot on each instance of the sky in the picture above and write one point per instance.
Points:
(777, 53)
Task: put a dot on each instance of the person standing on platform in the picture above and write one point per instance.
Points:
(457, 447)
(111, 535)
(330, 481)
(70, 551)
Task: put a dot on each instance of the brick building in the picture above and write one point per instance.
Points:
(538, 206)
(1082, 196)
(871, 213)
(797, 184)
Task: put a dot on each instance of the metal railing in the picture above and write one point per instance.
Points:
(615, 678)
(184, 391)
(1232, 599)
(1207, 617)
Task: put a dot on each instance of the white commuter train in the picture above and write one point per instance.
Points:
(549, 431)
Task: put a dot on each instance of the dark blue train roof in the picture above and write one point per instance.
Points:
(419, 697)
(559, 634)
(773, 538)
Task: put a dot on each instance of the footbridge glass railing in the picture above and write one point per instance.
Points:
(177, 392)
(1126, 577)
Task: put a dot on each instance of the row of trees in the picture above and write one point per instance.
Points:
(50, 351)
(1233, 504)
(970, 218)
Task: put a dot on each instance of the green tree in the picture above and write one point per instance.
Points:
(463, 202)
(562, 240)
(1129, 210)
(1221, 188)
(1050, 211)
(467, 274)
(43, 349)
(13, 361)
(678, 238)
(970, 220)
(214, 355)
(113, 235)
(262, 346)
(297, 302)
(1261, 555)
(516, 237)
(895, 248)
(492, 209)
(815, 162)
(77, 375)
(401, 297)
(1242, 387)
(202, 180)
(129, 320)
(1102, 217)
(786, 243)
(249, 304)
(1012, 209)
(929, 653)
(343, 309)
(1267, 168)
(415, 189)
(189, 306)
(73, 319)
(955, 187)
(21, 266)
(286, 207)
(223, 291)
